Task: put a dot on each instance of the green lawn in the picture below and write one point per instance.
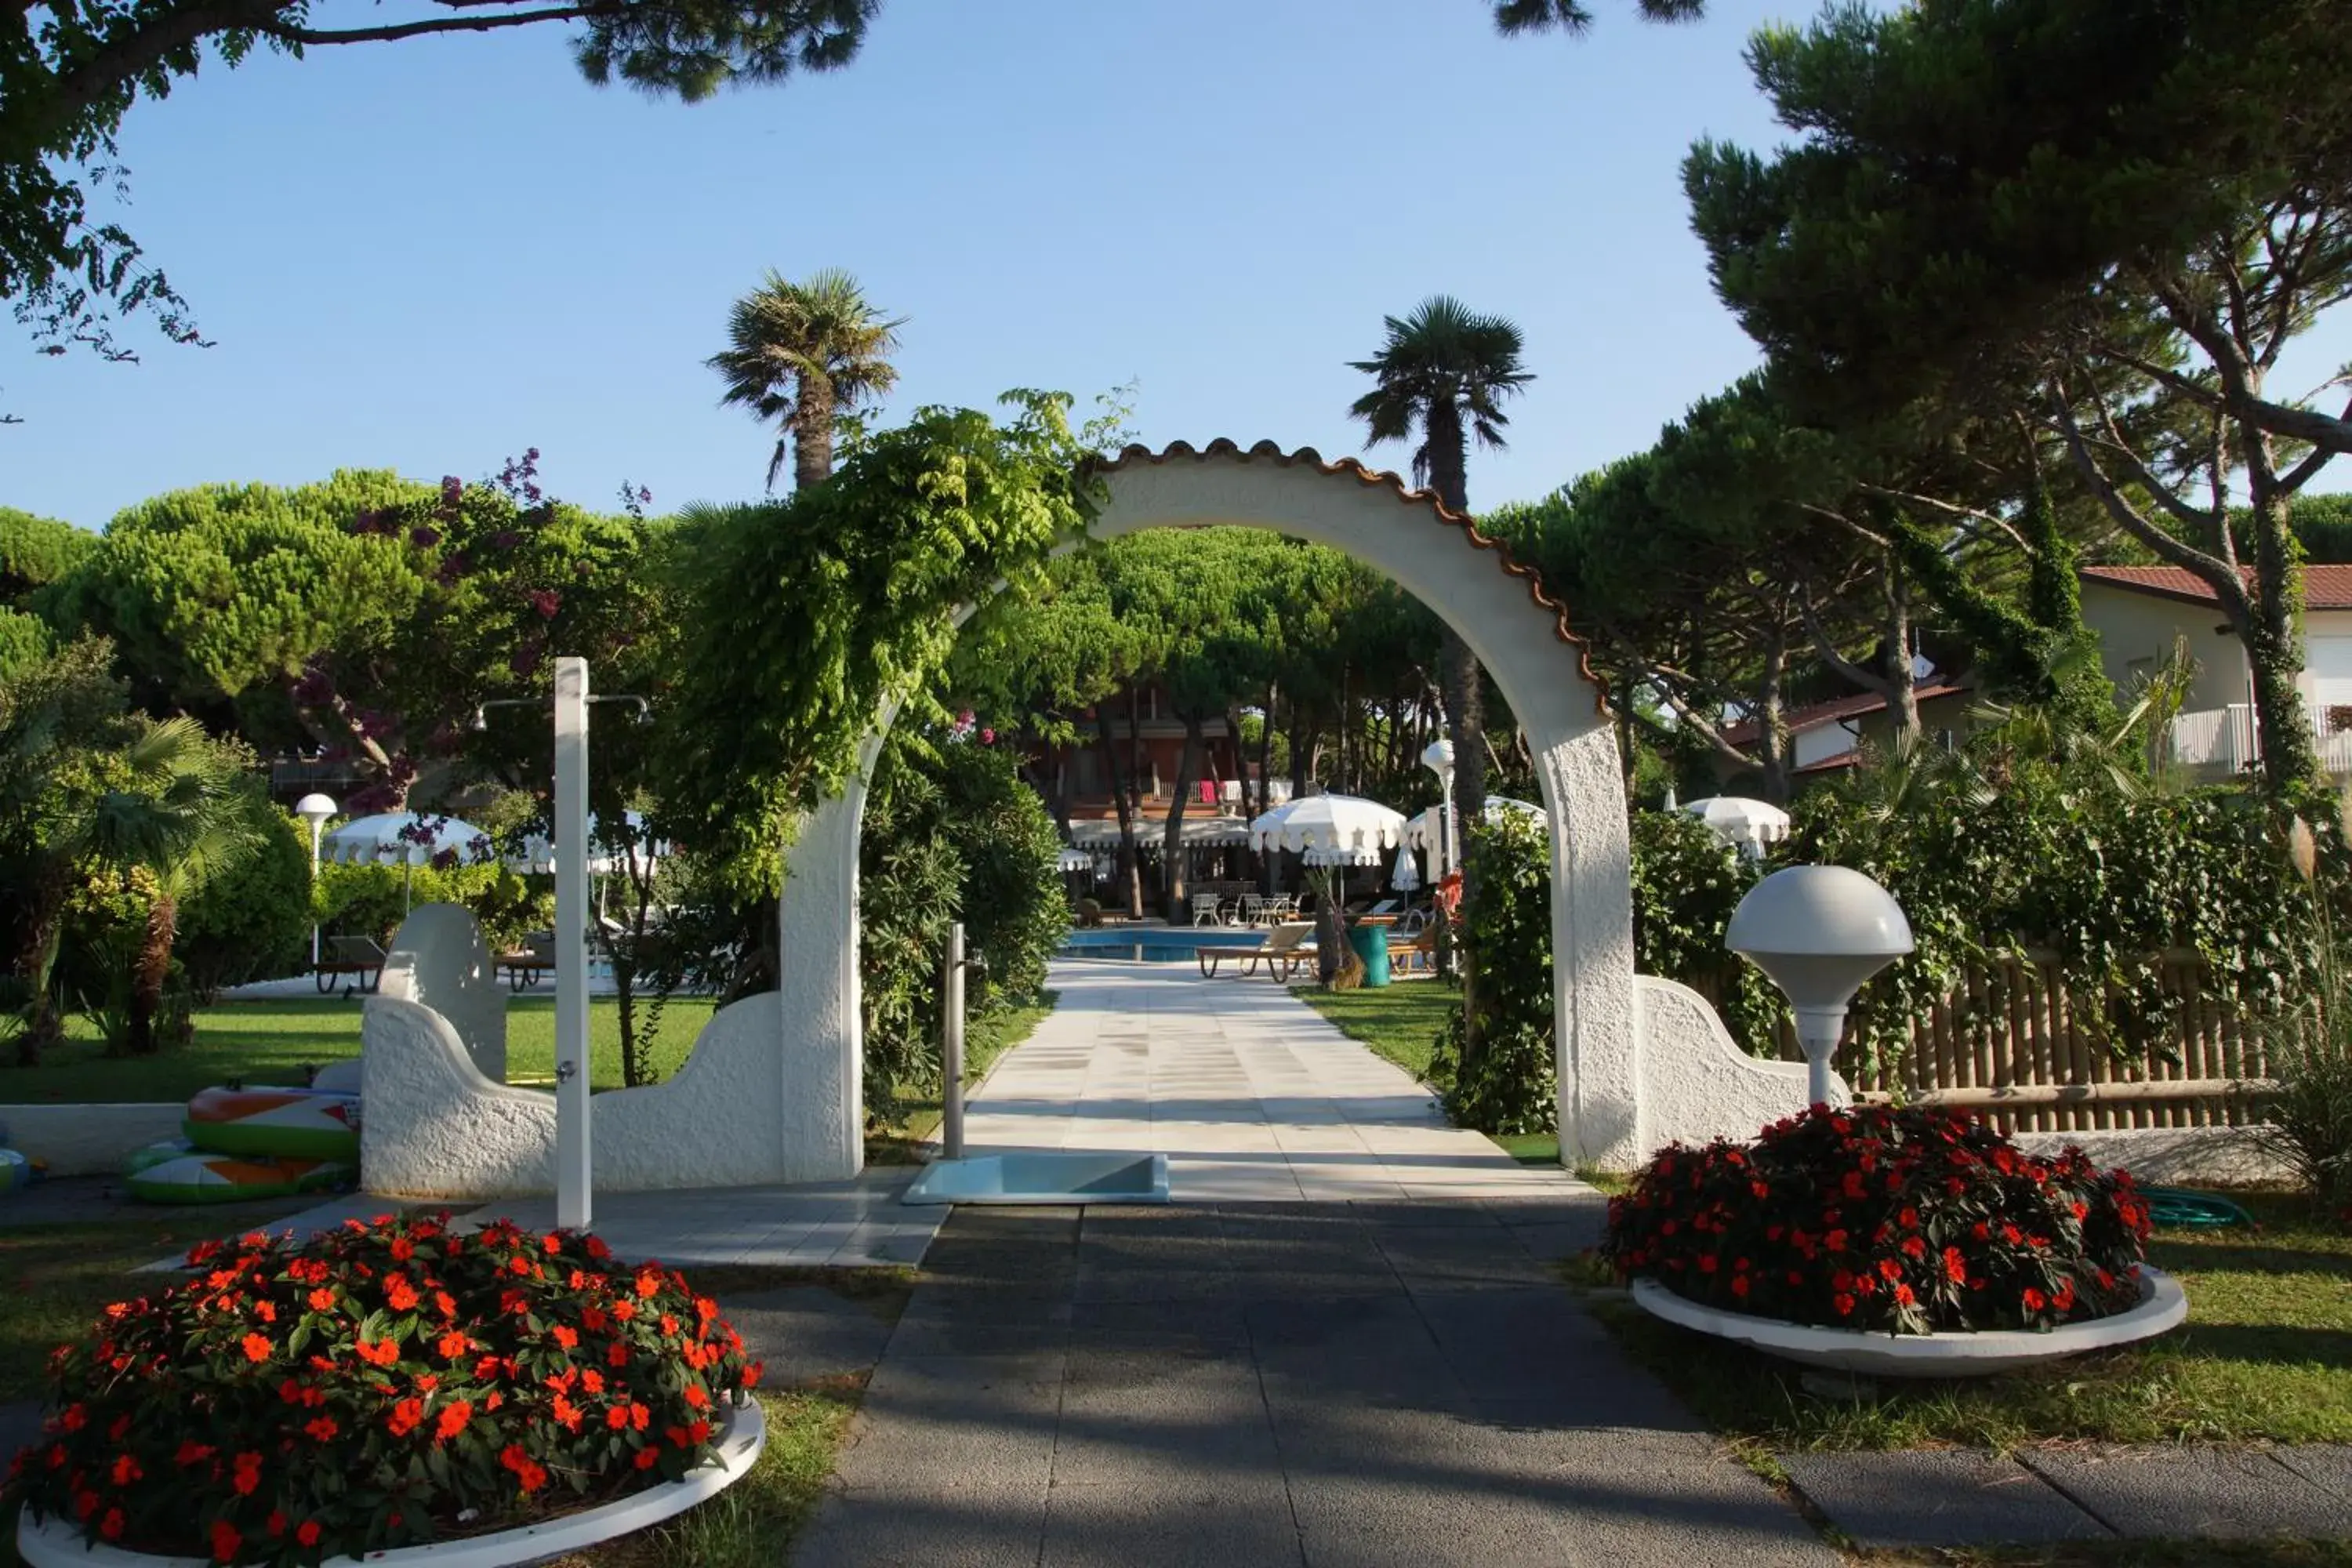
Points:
(271, 1042)
(2266, 1355)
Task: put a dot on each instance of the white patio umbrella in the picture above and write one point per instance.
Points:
(1076, 860)
(410, 837)
(538, 853)
(1405, 875)
(1330, 830)
(1427, 830)
(1749, 824)
(1330, 823)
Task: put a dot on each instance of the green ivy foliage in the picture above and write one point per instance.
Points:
(805, 619)
(2104, 882)
(1509, 1084)
(950, 833)
(252, 922)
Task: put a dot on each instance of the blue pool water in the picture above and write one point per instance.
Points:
(1155, 944)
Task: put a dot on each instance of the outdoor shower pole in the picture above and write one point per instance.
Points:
(951, 1050)
(573, 1163)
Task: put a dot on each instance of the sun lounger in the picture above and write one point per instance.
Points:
(360, 956)
(1282, 950)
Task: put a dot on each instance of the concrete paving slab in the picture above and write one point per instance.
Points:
(2194, 1493)
(1938, 1498)
(1243, 1519)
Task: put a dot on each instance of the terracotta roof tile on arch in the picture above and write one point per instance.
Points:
(1269, 451)
(2324, 587)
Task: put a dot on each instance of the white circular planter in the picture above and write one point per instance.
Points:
(742, 1433)
(2161, 1307)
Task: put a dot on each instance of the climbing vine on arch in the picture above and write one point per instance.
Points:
(808, 616)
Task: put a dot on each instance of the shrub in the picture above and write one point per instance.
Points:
(252, 922)
(1507, 1084)
(1907, 1221)
(378, 1386)
(950, 833)
(371, 900)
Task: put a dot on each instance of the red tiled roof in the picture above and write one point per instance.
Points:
(2324, 587)
(1267, 451)
(1837, 708)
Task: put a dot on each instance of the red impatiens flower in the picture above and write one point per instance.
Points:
(323, 1300)
(322, 1428)
(227, 1542)
(405, 1417)
(256, 1347)
(566, 1337)
(1956, 1266)
(399, 1294)
(2034, 1299)
(452, 1420)
(248, 1476)
(383, 1353)
(307, 1532)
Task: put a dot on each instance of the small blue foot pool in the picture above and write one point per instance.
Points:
(1156, 945)
(1044, 1176)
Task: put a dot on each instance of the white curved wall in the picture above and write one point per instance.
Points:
(1698, 1084)
(439, 960)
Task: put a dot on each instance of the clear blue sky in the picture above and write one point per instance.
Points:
(430, 255)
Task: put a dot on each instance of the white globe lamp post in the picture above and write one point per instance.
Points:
(1819, 933)
(1438, 758)
(314, 809)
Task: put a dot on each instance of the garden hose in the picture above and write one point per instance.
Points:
(2178, 1208)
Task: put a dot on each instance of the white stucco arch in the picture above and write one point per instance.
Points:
(772, 1093)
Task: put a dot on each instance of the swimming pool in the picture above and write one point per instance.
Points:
(1156, 945)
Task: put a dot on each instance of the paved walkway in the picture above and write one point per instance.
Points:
(1347, 1345)
(1305, 1384)
(1248, 1091)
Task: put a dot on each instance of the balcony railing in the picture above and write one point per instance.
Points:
(2228, 741)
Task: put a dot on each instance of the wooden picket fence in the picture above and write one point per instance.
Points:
(2007, 1042)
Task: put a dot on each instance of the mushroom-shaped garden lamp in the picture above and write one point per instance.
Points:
(1819, 933)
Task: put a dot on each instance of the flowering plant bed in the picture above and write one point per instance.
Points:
(1906, 1221)
(383, 1386)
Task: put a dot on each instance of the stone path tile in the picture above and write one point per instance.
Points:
(1938, 1497)
(1251, 1094)
(2195, 1493)
(855, 1223)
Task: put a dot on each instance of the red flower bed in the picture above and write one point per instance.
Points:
(1907, 1221)
(382, 1385)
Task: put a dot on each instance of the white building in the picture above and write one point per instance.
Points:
(2141, 612)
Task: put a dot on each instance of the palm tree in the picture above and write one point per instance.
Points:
(1443, 374)
(805, 354)
(176, 808)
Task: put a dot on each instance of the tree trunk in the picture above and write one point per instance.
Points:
(1772, 720)
(1265, 784)
(1130, 877)
(1171, 842)
(813, 433)
(2273, 644)
(149, 971)
(42, 927)
(1902, 682)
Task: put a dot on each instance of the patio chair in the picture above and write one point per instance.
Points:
(1282, 950)
(1252, 909)
(528, 962)
(360, 957)
(1207, 910)
(1415, 954)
